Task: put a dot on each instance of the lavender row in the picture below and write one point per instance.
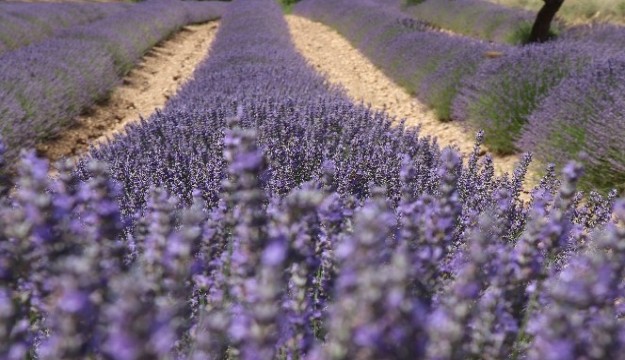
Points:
(45, 86)
(502, 94)
(264, 75)
(584, 115)
(598, 33)
(550, 99)
(477, 18)
(428, 63)
(25, 23)
(314, 274)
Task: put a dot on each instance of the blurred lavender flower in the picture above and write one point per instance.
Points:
(449, 335)
(580, 321)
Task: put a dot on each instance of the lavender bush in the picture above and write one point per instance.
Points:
(261, 215)
(477, 18)
(583, 114)
(505, 91)
(428, 63)
(608, 38)
(25, 23)
(44, 86)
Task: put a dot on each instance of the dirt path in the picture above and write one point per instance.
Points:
(342, 64)
(147, 87)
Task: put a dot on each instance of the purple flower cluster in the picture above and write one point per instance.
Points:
(44, 86)
(25, 23)
(261, 215)
(477, 18)
(429, 63)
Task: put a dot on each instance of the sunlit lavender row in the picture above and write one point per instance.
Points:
(524, 98)
(44, 86)
(477, 18)
(25, 23)
(261, 215)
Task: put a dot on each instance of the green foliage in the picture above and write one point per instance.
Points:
(442, 94)
(522, 33)
(602, 178)
(411, 2)
(287, 5)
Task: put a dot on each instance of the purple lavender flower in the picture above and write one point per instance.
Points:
(373, 314)
(580, 320)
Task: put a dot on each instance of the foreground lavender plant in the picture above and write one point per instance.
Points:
(581, 318)
(373, 315)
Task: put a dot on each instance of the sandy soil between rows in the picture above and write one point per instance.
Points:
(342, 64)
(146, 88)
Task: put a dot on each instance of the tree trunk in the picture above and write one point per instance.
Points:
(540, 30)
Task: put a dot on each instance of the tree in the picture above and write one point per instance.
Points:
(540, 30)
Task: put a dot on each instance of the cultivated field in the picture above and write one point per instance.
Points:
(357, 179)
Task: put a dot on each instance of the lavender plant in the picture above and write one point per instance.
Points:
(26, 23)
(582, 115)
(505, 91)
(598, 34)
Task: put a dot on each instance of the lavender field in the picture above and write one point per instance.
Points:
(263, 214)
(514, 94)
